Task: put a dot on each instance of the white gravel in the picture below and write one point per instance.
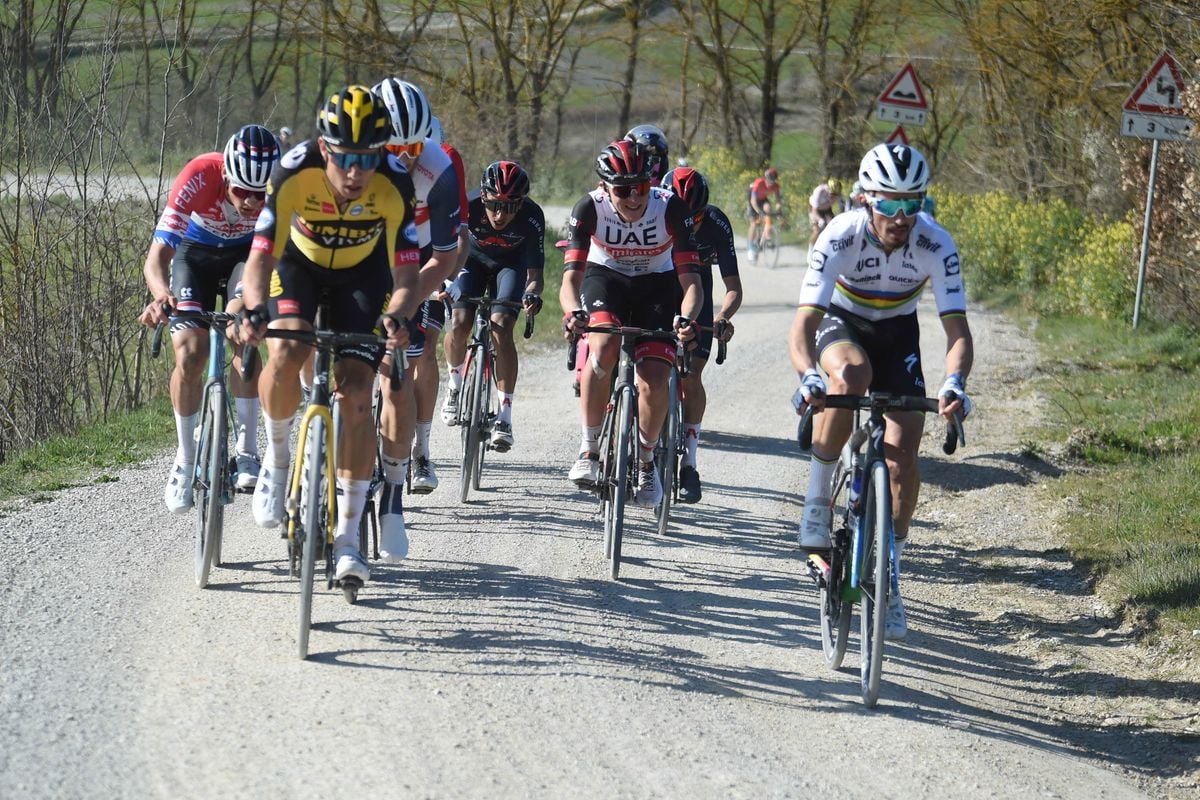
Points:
(500, 661)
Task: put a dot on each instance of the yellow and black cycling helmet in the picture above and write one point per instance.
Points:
(355, 117)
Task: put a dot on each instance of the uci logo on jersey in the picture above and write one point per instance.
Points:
(870, 262)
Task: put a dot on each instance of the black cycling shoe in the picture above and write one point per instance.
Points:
(689, 485)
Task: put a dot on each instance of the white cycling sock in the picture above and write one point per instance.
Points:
(591, 439)
(421, 439)
(185, 432)
(645, 449)
(820, 476)
(395, 470)
(456, 377)
(506, 401)
(279, 433)
(691, 439)
(352, 497)
(247, 411)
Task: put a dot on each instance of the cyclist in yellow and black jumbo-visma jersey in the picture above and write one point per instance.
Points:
(316, 231)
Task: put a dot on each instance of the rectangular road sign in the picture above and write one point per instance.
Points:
(900, 115)
(1155, 126)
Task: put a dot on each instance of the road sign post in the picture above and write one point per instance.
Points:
(1154, 110)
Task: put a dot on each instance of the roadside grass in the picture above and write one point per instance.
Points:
(90, 456)
(1124, 408)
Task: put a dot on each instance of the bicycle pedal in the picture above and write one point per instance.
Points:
(819, 569)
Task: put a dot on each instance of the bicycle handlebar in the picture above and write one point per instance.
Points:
(329, 340)
(488, 302)
(882, 402)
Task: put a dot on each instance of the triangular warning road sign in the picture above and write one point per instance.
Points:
(905, 90)
(897, 136)
(1160, 91)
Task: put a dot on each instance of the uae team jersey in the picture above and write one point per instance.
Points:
(198, 209)
(848, 269)
(660, 241)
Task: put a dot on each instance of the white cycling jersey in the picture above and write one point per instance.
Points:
(848, 269)
(659, 241)
(437, 211)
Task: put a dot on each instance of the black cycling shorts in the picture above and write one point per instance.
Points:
(200, 273)
(892, 347)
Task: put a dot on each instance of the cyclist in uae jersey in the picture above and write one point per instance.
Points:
(339, 225)
(714, 236)
(507, 258)
(200, 245)
(630, 253)
(407, 414)
(857, 319)
(763, 201)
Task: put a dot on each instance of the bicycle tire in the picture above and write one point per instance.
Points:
(835, 610)
(877, 520)
(667, 453)
(771, 246)
(209, 490)
(608, 464)
(624, 458)
(312, 517)
(489, 408)
(470, 424)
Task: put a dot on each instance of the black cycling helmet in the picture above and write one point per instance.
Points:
(505, 180)
(655, 142)
(689, 186)
(623, 163)
(355, 117)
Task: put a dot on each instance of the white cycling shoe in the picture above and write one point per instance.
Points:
(393, 539)
(814, 526)
(351, 564)
(178, 494)
(895, 625)
(649, 488)
(269, 494)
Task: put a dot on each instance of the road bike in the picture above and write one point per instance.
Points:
(619, 435)
(312, 494)
(766, 245)
(478, 405)
(671, 445)
(214, 476)
(860, 567)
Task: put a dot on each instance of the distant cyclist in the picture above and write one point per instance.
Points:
(655, 141)
(203, 238)
(714, 236)
(824, 204)
(763, 201)
(438, 214)
(339, 222)
(857, 320)
(630, 252)
(508, 234)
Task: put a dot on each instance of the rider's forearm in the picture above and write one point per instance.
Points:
(157, 269)
(257, 273)
(568, 293)
(802, 340)
(534, 282)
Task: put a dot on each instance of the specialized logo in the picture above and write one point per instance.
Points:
(911, 362)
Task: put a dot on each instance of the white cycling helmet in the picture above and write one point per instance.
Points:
(250, 154)
(437, 133)
(408, 108)
(893, 168)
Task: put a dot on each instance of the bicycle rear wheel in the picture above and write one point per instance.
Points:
(877, 522)
(312, 516)
(619, 488)
(209, 489)
(472, 414)
(667, 452)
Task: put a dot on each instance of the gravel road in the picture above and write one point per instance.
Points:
(500, 662)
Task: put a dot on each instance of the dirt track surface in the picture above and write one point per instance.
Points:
(500, 661)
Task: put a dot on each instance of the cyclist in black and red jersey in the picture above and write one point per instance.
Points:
(508, 233)
(339, 220)
(630, 253)
(202, 239)
(714, 236)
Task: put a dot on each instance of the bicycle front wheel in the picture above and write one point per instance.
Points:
(489, 407)
(771, 248)
(472, 420)
(313, 520)
(624, 422)
(877, 526)
(667, 452)
(834, 608)
(209, 488)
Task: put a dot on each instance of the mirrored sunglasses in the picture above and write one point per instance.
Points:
(503, 206)
(413, 150)
(247, 194)
(908, 206)
(347, 161)
(627, 191)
